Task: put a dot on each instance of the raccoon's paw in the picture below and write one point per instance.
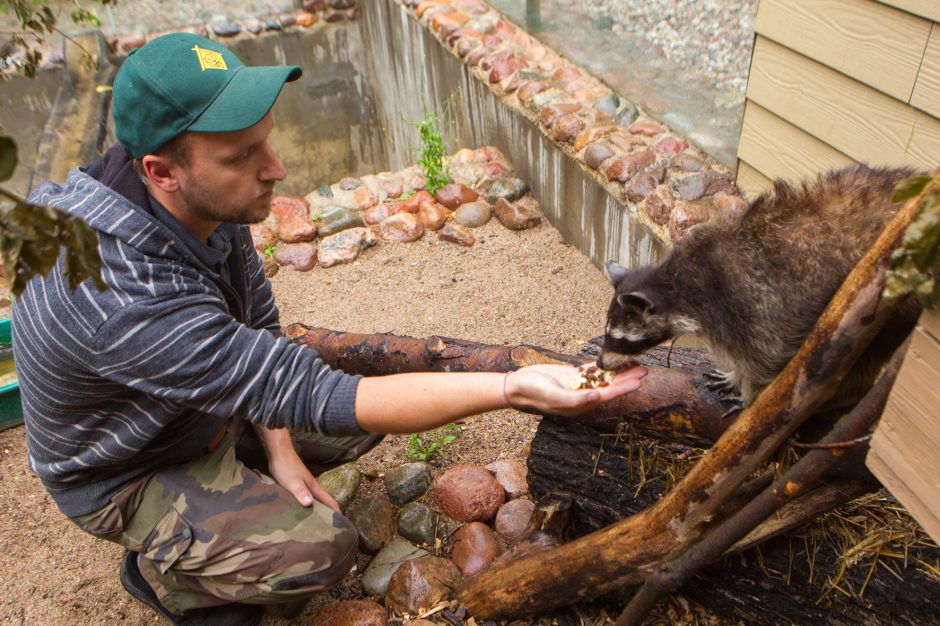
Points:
(720, 382)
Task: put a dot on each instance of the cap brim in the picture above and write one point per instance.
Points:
(246, 99)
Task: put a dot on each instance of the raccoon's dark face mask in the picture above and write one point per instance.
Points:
(633, 323)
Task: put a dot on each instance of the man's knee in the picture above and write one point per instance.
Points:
(320, 564)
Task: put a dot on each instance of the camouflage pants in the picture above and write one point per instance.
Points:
(213, 531)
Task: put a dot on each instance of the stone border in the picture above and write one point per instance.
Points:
(657, 176)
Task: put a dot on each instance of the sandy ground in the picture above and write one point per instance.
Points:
(511, 287)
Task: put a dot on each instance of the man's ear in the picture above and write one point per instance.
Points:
(160, 172)
(635, 301)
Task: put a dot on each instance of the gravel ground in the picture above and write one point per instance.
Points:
(714, 37)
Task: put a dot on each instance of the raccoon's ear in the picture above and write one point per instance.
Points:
(635, 301)
(615, 271)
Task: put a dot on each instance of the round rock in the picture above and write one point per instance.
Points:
(513, 518)
(374, 518)
(407, 482)
(351, 613)
(468, 493)
(473, 214)
(375, 579)
(342, 483)
(418, 524)
(475, 547)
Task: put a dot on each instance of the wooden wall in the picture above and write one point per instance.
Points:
(834, 82)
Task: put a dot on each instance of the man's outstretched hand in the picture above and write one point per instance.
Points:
(547, 389)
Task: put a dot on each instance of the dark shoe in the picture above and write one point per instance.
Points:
(224, 615)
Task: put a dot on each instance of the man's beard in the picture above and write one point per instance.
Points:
(205, 205)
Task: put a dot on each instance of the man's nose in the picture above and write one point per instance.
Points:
(272, 170)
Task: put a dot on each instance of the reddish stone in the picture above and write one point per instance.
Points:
(365, 198)
(270, 265)
(511, 82)
(729, 204)
(659, 204)
(567, 127)
(596, 153)
(130, 42)
(466, 45)
(671, 145)
(512, 519)
(457, 233)
(350, 613)
(494, 169)
(625, 166)
(466, 156)
(591, 135)
(349, 183)
(503, 69)
(432, 215)
(529, 89)
(490, 41)
(421, 583)
(624, 142)
(589, 94)
(312, 6)
(345, 246)
(376, 214)
(475, 547)
(684, 216)
(295, 229)
(643, 183)
(471, 7)
(687, 163)
(261, 236)
(283, 206)
(299, 256)
(412, 204)
(391, 187)
(401, 228)
(647, 129)
(476, 55)
(306, 19)
(424, 7)
(553, 111)
(518, 215)
(566, 74)
(512, 476)
(701, 184)
(446, 23)
(453, 195)
(491, 60)
(468, 493)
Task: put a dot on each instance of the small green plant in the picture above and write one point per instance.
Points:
(407, 195)
(316, 217)
(432, 153)
(269, 249)
(428, 445)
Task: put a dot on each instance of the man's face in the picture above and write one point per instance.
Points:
(230, 177)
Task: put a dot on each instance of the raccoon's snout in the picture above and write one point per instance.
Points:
(613, 360)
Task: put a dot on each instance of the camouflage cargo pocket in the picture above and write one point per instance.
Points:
(170, 539)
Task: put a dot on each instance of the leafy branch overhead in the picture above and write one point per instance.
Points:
(914, 264)
(31, 235)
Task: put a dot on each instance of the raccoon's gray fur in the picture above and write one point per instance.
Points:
(753, 286)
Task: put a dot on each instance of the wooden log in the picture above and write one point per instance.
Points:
(624, 553)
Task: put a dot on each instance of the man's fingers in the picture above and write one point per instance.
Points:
(323, 496)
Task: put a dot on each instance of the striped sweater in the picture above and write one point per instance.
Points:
(116, 384)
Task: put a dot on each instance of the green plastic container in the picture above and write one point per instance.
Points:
(11, 408)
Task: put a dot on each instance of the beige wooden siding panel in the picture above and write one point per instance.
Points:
(927, 88)
(930, 322)
(752, 182)
(907, 439)
(855, 119)
(777, 149)
(924, 8)
(874, 43)
(888, 471)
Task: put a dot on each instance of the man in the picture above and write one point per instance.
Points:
(133, 397)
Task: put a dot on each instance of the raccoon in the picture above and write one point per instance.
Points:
(752, 286)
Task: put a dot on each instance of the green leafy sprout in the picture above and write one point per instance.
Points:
(432, 153)
(269, 249)
(428, 445)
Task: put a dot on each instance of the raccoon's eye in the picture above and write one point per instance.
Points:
(635, 301)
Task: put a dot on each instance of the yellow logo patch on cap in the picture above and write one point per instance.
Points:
(210, 59)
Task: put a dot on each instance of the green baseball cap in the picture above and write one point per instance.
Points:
(181, 82)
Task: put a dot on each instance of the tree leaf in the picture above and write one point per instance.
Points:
(909, 187)
(8, 158)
